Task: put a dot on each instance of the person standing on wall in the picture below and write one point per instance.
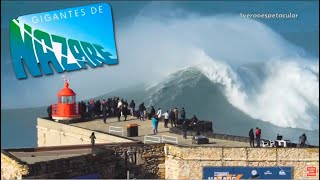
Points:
(166, 119)
(92, 137)
(125, 110)
(172, 117)
(251, 137)
(142, 108)
(104, 110)
(176, 115)
(303, 139)
(183, 114)
(91, 109)
(184, 128)
(132, 107)
(152, 112)
(154, 124)
(49, 111)
(258, 136)
(159, 115)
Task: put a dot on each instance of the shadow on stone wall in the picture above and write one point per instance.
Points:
(143, 161)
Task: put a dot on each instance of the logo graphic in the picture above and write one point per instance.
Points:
(282, 173)
(254, 172)
(267, 173)
(311, 171)
(240, 172)
(63, 40)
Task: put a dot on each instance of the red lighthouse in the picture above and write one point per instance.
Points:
(67, 108)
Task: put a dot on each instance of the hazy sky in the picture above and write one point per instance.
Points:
(302, 32)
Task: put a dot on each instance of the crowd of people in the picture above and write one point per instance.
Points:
(257, 136)
(118, 107)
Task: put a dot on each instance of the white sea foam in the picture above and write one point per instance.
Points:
(217, 46)
(288, 97)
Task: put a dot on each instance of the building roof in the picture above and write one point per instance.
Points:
(66, 91)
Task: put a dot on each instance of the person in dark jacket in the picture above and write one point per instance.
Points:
(119, 114)
(91, 109)
(172, 118)
(152, 111)
(97, 108)
(303, 139)
(176, 115)
(104, 110)
(49, 111)
(184, 128)
(125, 110)
(132, 107)
(183, 114)
(142, 108)
(83, 110)
(251, 137)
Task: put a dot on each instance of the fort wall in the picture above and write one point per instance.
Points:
(102, 163)
(187, 162)
(161, 161)
(51, 133)
(109, 161)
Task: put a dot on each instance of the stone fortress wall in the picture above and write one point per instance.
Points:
(162, 161)
(51, 133)
(187, 162)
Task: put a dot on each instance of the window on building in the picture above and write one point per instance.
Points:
(67, 99)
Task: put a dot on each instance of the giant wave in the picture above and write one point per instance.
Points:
(259, 72)
(273, 93)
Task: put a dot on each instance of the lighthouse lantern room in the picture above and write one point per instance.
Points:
(67, 108)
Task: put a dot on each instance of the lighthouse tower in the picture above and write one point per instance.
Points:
(67, 108)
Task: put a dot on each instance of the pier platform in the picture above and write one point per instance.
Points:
(145, 132)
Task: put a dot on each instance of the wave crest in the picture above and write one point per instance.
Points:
(286, 96)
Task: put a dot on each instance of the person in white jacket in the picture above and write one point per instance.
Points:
(159, 115)
(120, 108)
(166, 119)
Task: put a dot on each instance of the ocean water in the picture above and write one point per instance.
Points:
(18, 127)
(188, 88)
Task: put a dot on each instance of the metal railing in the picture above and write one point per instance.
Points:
(116, 129)
(70, 134)
(171, 139)
(152, 139)
(55, 109)
(160, 139)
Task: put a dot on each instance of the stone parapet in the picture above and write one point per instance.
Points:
(187, 162)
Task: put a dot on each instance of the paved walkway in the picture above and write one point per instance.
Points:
(145, 128)
(33, 157)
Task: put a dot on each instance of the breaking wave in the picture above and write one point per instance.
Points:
(282, 92)
(259, 72)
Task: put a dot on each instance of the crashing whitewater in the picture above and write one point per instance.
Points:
(283, 93)
(262, 74)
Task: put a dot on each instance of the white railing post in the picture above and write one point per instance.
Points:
(116, 129)
(171, 139)
(153, 139)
